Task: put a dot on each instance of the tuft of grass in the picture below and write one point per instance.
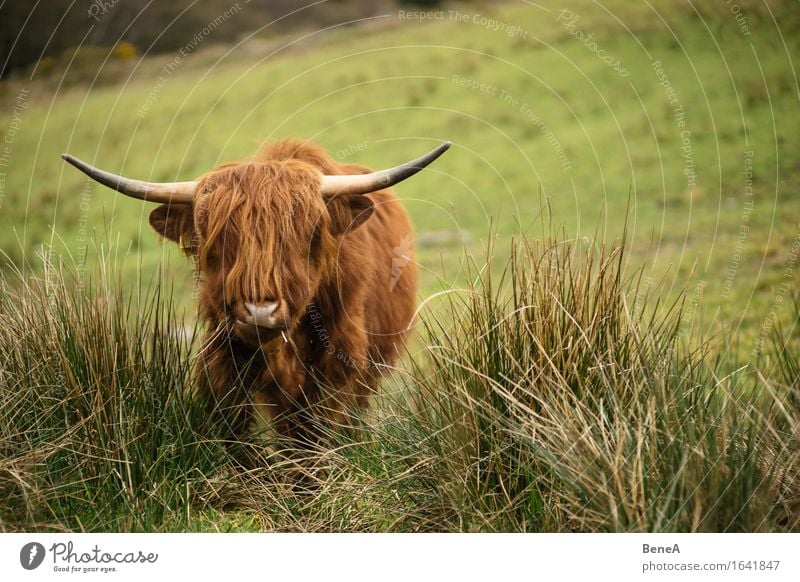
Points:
(561, 397)
(99, 430)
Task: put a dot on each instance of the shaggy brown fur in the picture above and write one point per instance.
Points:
(261, 231)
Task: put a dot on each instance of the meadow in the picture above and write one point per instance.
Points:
(609, 254)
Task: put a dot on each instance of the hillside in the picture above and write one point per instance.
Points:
(684, 121)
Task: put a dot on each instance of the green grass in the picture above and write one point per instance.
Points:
(98, 425)
(385, 92)
(556, 397)
(560, 384)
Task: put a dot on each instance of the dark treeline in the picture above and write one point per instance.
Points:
(30, 30)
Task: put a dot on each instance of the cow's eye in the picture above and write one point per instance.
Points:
(212, 257)
(315, 238)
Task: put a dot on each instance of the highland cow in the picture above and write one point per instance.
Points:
(307, 281)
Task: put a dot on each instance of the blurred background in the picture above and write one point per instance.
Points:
(673, 124)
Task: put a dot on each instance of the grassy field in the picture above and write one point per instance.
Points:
(533, 111)
(672, 123)
(554, 404)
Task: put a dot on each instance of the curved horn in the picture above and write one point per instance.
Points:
(366, 183)
(169, 192)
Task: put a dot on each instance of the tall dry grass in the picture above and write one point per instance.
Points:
(553, 394)
(98, 427)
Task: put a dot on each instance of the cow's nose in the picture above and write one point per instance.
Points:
(263, 314)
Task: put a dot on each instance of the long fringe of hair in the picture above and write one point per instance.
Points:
(238, 200)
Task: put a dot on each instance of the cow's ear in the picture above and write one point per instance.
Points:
(349, 211)
(173, 221)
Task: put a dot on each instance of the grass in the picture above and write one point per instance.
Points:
(581, 410)
(98, 426)
(558, 383)
(556, 397)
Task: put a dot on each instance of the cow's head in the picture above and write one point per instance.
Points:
(264, 233)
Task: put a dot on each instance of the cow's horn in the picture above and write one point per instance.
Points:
(174, 192)
(366, 183)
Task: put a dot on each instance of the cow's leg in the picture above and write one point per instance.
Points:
(217, 379)
(227, 376)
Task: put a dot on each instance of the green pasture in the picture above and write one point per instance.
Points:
(571, 385)
(534, 113)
